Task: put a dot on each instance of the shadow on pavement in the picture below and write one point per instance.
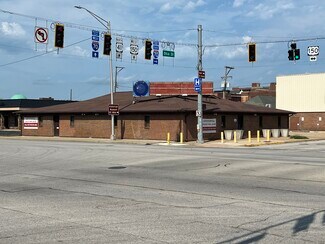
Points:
(301, 224)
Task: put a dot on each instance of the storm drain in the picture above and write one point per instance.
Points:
(117, 167)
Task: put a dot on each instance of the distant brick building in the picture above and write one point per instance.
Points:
(243, 94)
(9, 119)
(150, 117)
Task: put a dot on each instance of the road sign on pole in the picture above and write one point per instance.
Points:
(113, 109)
(170, 54)
(313, 51)
(197, 84)
(95, 43)
(201, 74)
(41, 35)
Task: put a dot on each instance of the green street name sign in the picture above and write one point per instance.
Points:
(170, 54)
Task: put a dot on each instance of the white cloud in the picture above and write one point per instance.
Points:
(235, 52)
(97, 80)
(238, 3)
(229, 52)
(264, 11)
(78, 51)
(190, 6)
(12, 29)
(167, 7)
(247, 39)
(181, 5)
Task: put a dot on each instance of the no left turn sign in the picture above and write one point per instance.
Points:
(41, 35)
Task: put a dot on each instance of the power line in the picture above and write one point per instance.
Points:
(89, 28)
(267, 42)
(40, 55)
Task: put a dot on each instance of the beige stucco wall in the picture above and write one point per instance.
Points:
(301, 93)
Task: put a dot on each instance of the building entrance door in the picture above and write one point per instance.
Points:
(56, 123)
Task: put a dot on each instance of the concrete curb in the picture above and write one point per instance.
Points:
(211, 144)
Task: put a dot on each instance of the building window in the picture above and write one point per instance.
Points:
(40, 121)
(223, 121)
(147, 122)
(71, 121)
(115, 121)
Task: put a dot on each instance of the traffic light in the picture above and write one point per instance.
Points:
(59, 36)
(148, 50)
(252, 52)
(297, 54)
(290, 55)
(107, 44)
(293, 53)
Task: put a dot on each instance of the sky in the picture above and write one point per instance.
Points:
(39, 70)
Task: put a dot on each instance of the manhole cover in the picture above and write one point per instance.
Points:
(117, 167)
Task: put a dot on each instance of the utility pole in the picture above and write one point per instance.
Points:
(107, 25)
(199, 95)
(227, 70)
(117, 70)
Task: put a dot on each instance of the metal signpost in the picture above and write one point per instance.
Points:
(107, 25)
(199, 96)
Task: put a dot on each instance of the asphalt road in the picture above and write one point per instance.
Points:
(76, 192)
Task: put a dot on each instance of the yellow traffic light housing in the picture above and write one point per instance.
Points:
(59, 36)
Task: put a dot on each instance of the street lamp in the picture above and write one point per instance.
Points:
(107, 25)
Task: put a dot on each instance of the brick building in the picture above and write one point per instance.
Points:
(150, 117)
(244, 94)
(9, 119)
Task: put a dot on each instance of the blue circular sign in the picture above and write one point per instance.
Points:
(141, 88)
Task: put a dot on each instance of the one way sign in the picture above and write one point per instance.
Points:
(197, 84)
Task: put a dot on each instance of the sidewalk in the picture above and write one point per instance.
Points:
(312, 136)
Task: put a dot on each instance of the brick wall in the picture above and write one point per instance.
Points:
(85, 126)
(308, 121)
(46, 128)
(132, 126)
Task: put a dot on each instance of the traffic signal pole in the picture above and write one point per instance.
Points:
(107, 25)
(199, 95)
(112, 87)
